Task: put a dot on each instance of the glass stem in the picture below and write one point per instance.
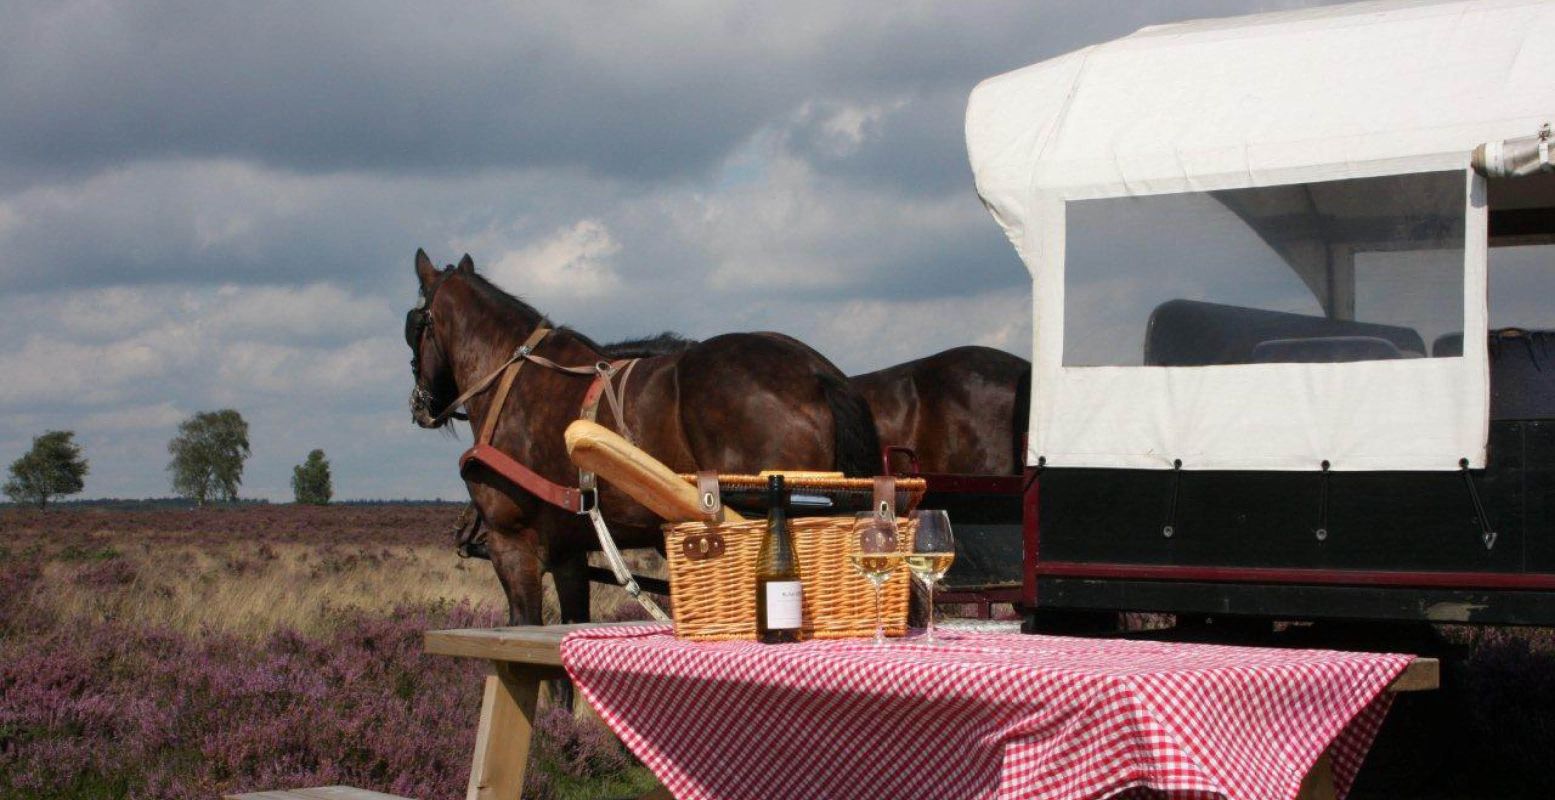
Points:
(879, 622)
(930, 635)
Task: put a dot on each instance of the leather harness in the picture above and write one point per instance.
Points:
(583, 500)
(579, 499)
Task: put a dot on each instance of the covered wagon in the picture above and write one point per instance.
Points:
(1294, 313)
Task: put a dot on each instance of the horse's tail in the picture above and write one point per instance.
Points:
(857, 451)
(1019, 425)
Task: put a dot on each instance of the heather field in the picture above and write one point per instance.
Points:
(182, 654)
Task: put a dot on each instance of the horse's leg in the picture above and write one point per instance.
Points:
(570, 570)
(516, 557)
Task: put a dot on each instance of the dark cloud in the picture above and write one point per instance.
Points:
(636, 91)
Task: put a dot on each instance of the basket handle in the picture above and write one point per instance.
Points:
(885, 497)
(709, 500)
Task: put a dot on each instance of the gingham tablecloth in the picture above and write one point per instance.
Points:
(988, 715)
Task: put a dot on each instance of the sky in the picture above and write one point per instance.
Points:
(217, 204)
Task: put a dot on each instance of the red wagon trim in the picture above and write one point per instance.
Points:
(1413, 579)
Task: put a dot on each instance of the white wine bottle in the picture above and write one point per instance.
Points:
(779, 595)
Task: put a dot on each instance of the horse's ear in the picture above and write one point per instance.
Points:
(467, 264)
(425, 271)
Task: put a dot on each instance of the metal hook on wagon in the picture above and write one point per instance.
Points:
(1169, 529)
(1321, 532)
(1486, 535)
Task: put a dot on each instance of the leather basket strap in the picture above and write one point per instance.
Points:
(885, 497)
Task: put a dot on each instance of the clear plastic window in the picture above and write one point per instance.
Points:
(1522, 253)
(1355, 270)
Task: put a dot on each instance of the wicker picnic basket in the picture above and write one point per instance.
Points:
(713, 588)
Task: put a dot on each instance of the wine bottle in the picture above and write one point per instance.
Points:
(779, 595)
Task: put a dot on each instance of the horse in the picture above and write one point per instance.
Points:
(736, 403)
(961, 411)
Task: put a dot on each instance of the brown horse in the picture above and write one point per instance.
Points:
(735, 403)
(962, 411)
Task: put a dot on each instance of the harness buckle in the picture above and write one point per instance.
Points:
(523, 351)
(588, 501)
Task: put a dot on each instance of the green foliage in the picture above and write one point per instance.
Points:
(311, 481)
(208, 455)
(74, 552)
(54, 466)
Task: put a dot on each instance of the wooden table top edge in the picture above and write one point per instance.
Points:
(1422, 675)
(527, 644)
(541, 645)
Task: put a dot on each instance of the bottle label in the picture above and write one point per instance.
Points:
(783, 605)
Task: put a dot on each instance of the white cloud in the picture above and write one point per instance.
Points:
(863, 335)
(798, 230)
(135, 418)
(843, 127)
(574, 262)
(288, 312)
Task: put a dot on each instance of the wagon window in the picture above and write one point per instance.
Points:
(1522, 253)
(1354, 270)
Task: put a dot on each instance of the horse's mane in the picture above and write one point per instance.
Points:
(666, 343)
(497, 295)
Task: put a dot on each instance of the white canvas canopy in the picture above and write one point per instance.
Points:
(1282, 124)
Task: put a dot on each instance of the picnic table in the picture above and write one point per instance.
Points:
(629, 672)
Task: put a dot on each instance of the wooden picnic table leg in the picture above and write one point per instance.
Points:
(506, 726)
(1319, 784)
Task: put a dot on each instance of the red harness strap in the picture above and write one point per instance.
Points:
(483, 453)
(527, 479)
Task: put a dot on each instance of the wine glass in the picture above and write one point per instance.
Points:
(933, 551)
(875, 556)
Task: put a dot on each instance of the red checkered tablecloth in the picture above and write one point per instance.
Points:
(987, 715)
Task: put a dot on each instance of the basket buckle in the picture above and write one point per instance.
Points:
(702, 547)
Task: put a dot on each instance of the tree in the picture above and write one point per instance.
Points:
(310, 480)
(208, 455)
(53, 466)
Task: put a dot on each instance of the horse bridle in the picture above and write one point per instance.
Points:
(418, 321)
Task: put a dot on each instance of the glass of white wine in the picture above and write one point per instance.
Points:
(933, 551)
(875, 556)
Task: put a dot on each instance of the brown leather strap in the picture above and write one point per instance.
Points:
(603, 387)
(518, 355)
(509, 374)
(524, 477)
(708, 496)
(591, 398)
(885, 497)
(618, 400)
(549, 364)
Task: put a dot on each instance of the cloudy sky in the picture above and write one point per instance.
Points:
(215, 204)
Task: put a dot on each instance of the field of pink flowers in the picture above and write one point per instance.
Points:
(179, 654)
(97, 701)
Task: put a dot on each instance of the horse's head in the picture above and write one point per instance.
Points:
(430, 367)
